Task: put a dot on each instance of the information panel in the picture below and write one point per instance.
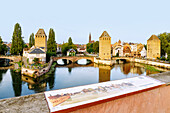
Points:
(76, 96)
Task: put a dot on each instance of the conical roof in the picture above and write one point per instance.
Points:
(153, 37)
(105, 34)
(40, 32)
(119, 41)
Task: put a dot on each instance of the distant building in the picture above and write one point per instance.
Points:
(90, 41)
(153, 47)
(34, 52)
(41, 39)
(129, 49)
(81, 50)
(71, 52)
(105, 46)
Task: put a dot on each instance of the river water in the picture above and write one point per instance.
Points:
(14, 84)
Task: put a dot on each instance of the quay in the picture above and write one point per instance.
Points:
(155, 100)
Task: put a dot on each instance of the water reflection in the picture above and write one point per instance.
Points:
(16, 83)
(13, 84)
(2, 72)
(40, 84)
(104, 73)
(4, 62)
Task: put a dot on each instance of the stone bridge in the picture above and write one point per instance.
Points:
(74, 58)
(73, 65)
(13, 58)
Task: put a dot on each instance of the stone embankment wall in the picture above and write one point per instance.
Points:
(148, 62)
(158, 64)
(152, 101)
(36, 72)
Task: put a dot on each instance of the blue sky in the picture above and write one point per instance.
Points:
(127, 20)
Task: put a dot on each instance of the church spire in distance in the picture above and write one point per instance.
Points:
(90, 37)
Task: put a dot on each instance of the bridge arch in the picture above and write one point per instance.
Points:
(73, 59)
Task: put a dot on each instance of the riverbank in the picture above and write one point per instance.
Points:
(37, 103)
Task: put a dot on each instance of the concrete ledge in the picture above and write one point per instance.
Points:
(24, 104)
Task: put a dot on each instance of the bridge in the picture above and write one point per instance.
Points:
(73, 65)
(74, 58)
(13, 58)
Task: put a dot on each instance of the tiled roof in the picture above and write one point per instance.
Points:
(40, 32)
(105, 34)
(153, 37)
(37, 51)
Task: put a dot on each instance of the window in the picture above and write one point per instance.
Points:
(104, 53)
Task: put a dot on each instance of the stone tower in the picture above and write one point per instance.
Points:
(41, 40)
(153, 47)
(90, 38)
(105, 46)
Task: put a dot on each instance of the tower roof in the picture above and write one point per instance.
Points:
(40, 32)
(119, 41)
(105, 34)
(153, 37)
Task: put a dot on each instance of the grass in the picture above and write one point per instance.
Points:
(151, 68)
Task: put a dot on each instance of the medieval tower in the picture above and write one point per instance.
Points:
(41, 40)
(105, 46)
(153, 47)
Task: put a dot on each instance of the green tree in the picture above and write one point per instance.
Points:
(36, 60)
(164, 37)
(25, 46)
(51, 43)
(145, 45)
(31, 40)
(3, 47)
(89, 47)
(66, 46)
(70, 41)
(17, 41)
(96, 47)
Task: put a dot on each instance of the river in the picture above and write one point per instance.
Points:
(14, 84)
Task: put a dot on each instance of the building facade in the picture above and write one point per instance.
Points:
(35, 52)
(153, 47)
(41, 39)
(128, 49)
(105, 46)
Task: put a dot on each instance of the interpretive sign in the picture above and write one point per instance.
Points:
(63, 99)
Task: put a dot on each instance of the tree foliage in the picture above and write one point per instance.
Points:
(36, 60)
(51, 43)
(31, 40)
(165, 43)
(17, 41)
(3, 47)
(66, 46)
(93, 47)
(89, 47)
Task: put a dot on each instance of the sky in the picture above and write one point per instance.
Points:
(127, 20)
